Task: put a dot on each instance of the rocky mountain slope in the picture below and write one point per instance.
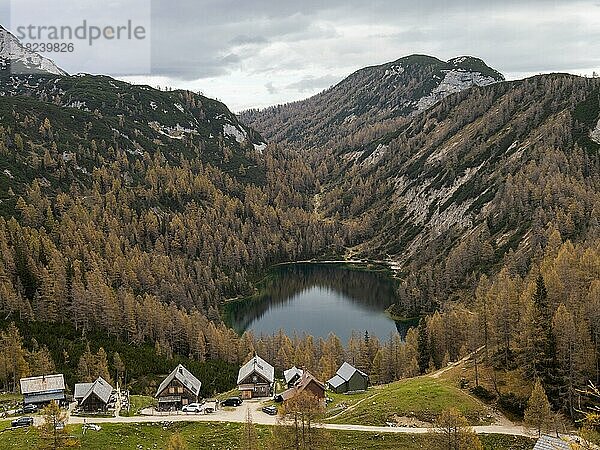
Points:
(478, 177)
(15, 58)
(370, 101)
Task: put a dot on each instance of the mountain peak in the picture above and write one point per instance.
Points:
(473, 64)
(16, 58)
(373, 99)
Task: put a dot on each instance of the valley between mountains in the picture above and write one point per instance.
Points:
(130, 215)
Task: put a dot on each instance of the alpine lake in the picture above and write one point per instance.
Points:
(319, 299)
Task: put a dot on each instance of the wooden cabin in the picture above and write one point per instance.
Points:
(180, 388)
(306, 383)
(256, 378)
(93, 397)
(291, 376)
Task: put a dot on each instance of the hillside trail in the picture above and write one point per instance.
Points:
(351, 407)
(499, 418)
(452, 365)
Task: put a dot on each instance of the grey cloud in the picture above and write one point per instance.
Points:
(196, 37)
(310, 84)
(280, 41)
(248, 40)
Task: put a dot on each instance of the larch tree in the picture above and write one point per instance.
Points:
(451, 431)
(53, 427)
(119, 366)
(538, 413)
(297, 422)
(423, 347)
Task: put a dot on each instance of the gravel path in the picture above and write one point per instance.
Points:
(258, 417)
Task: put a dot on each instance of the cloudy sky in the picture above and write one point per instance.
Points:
(254, 53)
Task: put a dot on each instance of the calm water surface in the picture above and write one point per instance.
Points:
(318, 299)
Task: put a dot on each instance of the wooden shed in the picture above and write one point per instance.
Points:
(348, 379)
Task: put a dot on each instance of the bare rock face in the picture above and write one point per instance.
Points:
(595, 134)
(16, 58)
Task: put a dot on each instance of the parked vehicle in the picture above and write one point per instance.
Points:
(29, 409)
(192, 408)
(270, 410)
(22, 422)
(232, 401)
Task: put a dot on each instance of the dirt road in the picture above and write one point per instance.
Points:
(258, 417)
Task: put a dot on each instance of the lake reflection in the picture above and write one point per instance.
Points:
(318, 299)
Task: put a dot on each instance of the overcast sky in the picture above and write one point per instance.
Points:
(254, 53)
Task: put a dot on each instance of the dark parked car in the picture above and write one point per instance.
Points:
(29, 409)
(270, 410)
(232, 401)
(22, 422)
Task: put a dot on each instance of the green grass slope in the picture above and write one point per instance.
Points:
(420, 398)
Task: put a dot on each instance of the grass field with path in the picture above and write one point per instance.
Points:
(422, 398)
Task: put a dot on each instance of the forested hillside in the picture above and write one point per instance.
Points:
(487, 204)
(369, 102)
(137, 211)
(130, 214)
(476, 180)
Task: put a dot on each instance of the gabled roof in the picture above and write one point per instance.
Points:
(291, 373)
(346, 371)
(185, 377)
(44, 383)
(101, 388)
(300, 385)
(306, 379)
(551, 443)
(81, 389)
(258, 365)
(336, 381)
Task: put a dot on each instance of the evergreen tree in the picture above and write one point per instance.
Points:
(542, 347)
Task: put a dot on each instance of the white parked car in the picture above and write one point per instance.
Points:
(192, 408)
